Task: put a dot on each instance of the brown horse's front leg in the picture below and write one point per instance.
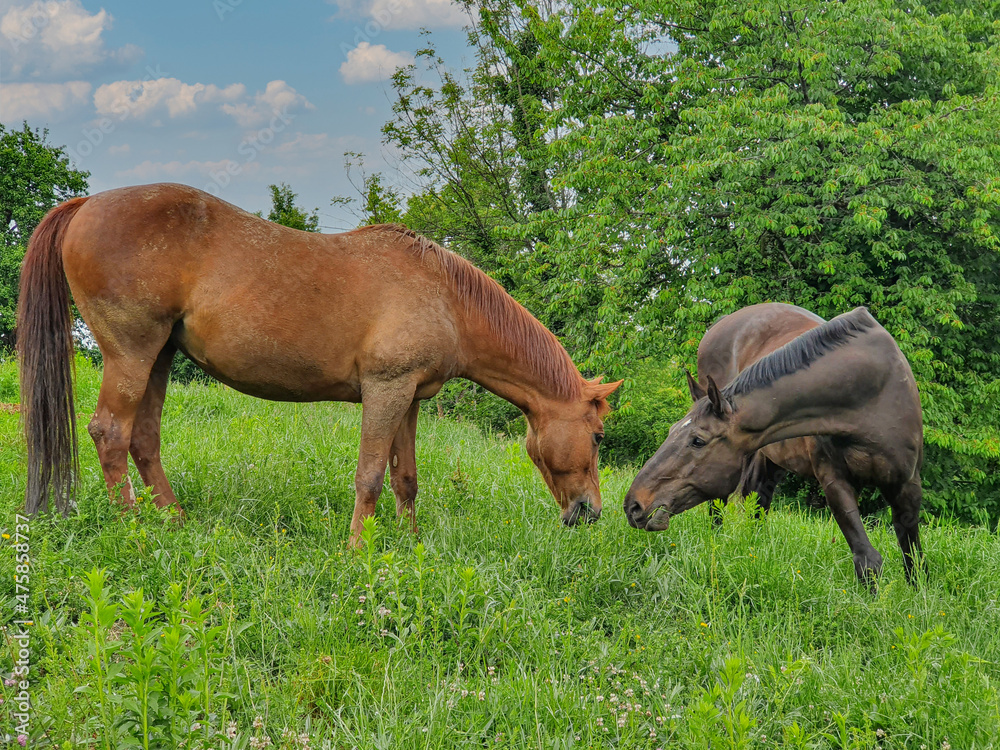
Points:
(384, 405)
(843, 502)
(403, 466)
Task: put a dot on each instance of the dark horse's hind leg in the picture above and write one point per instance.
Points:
(403, 466)
(905, 503)
(145, 443)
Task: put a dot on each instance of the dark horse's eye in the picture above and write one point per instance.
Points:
(598, 437)
(697, 442)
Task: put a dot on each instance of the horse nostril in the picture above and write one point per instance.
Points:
(633, 509)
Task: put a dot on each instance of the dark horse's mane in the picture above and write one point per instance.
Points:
(801, 351)
(521, 334)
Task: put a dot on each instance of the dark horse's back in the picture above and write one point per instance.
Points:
(739, 339)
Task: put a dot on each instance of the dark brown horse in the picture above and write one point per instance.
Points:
(378, 315)
(733, 343)
(846, 384)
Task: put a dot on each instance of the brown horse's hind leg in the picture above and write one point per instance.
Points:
(762, 476)
(122, 391)
(384, 404)
(905, 504)
(145, 443)
(403, 466)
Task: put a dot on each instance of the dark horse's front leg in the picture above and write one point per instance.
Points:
(842, 499)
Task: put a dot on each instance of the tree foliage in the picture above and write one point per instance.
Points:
(35, 176)
(669, 162)
(285, 212)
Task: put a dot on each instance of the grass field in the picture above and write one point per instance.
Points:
(254, 626)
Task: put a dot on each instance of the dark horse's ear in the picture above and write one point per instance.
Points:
(697, 391)
(720, 407)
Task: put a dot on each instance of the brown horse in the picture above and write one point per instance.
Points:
(378, 315)
(846, 384)
(733, 343)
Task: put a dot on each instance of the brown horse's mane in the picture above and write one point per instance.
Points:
(801, 352)
(520, 333)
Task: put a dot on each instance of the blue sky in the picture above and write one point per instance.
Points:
(225, 95)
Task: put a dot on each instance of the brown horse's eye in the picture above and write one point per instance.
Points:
(598, 437)
(697, 442)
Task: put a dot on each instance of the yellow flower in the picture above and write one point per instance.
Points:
(6, 536)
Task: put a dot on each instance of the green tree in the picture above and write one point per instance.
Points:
(35, 176)
(705, 156)
(285, 212)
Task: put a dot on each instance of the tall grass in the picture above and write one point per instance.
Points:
(253, 625)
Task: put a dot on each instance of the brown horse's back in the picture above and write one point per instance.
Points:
(736, 341)
(233, 291)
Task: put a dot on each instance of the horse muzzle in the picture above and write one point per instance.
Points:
(655, 518)
(581, 510)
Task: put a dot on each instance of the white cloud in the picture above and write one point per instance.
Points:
(367, 62)
(172, 98)
(48, 39)
(122, 149)
(310, 143)
(405, 14)
(40, 101)
(277, 97)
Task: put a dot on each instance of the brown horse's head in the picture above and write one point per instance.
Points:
(562, 442)
(697, 462)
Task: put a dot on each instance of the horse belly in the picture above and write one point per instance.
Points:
(260, 356)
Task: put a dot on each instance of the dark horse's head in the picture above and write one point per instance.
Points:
(697, 462)
(562, 442)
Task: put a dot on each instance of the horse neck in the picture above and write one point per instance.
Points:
(514, 374)
(833, 396)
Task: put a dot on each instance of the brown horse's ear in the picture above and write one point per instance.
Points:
(720, 407)
(697, 391)
(599, 391)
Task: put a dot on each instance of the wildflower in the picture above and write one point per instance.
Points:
(258, 722)
(880, 733)
(383, 612)
(362, 599)
(482, 695)
(22, 740)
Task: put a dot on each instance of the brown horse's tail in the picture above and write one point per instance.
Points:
(45, 349)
